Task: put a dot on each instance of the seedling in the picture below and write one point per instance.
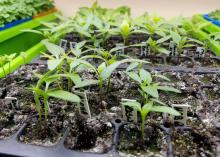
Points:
(149, 106)
(149, 91)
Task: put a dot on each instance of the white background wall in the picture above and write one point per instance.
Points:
(166, 8)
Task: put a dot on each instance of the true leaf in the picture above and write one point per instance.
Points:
(151, 90)
(163, 50)
(169, 89)
(158, 101)
(134, 105)
(145, 76)
(54, 49)
(132, 66)
(134, 76)
(101, 67)
(86, 83)
(176, 37)
(52, 64)
(64, 95)
(75, 78)
(165, 109)
(162, 40)
(162, 77)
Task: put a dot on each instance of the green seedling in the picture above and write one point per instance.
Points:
(45, 92)
(149, 91)
(150, 106)
(105, 69)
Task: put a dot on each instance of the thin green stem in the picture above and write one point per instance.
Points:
(100, 89)
(109, 85)
(142, 126)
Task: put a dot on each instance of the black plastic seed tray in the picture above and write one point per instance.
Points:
(12, 148)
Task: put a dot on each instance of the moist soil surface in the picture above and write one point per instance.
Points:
(95, 134)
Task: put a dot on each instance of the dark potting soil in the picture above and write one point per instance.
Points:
(97, 131)
(91, 135)
(202, 140)
(132, 144)
(48, 134)
(16, 101)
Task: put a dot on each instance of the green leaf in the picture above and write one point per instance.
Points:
(85, 63)
(134, 76)
(132, 66)
(86, 83)
(74, 64)
(52, 64)
(125, 29)
(80, 44)
(162, 77)
(151, 90)
(162, 40)
(75, 78)
(53, 49)
(64, 95)
(146, 108)
(117, 48)
(176, 37)
(163, 50)
(135, 105)
(101, 67)
(168, 89)
(165, 109)
(158, 101)
(145, 76)
(106, 73)
(33, 31)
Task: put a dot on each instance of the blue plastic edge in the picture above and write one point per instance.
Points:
(12, 24)
(216, 22)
